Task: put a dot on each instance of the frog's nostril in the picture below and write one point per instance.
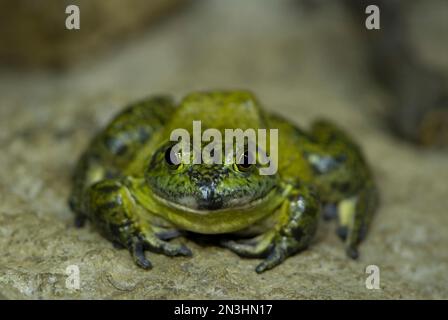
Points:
(208, 199)
(206, 192)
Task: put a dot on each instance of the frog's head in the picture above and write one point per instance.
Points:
(207, 187)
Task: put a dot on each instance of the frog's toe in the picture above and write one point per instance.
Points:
(140, 244)
(170, 249)
(352, 246)
(246, 248)
(138, 254)
(257, 247)
(352, 252)
(275, 257)
(177, 250)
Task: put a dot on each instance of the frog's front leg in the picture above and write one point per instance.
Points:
(295, 226)
(111, 207)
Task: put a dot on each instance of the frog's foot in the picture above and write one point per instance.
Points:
(137, 250)
(281, 249)
(296, 225)
(270, 245)
(139, 244)
(354, 216)
(257, 247)
(115, 212)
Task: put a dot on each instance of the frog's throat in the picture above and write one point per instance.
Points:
(210, 221)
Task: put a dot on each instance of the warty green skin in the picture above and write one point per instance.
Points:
(124, 185)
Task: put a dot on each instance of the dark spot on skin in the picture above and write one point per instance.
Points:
(121, 150)
(143, 135)
(109, 205)
(341, 158)
(326, 164)
(344, 187)
(116, 230)
(160, 118)
(116, 146)
(297, 233)
(330, 211)
(109, 188)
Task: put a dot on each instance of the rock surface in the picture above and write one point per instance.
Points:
(301, 64)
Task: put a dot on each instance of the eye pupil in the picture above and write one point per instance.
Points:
(245, 162)
(246, 159)
(169, 159)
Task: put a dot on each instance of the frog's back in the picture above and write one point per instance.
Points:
(218, 109)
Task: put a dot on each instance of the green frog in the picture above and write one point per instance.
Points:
(127, 184)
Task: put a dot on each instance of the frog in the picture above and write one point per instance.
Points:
(132, 192)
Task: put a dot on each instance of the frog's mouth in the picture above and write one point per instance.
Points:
(190, 204)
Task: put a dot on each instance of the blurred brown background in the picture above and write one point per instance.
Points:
(33, 33)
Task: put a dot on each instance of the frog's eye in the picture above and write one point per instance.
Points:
(172, 158)
(245, 162)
